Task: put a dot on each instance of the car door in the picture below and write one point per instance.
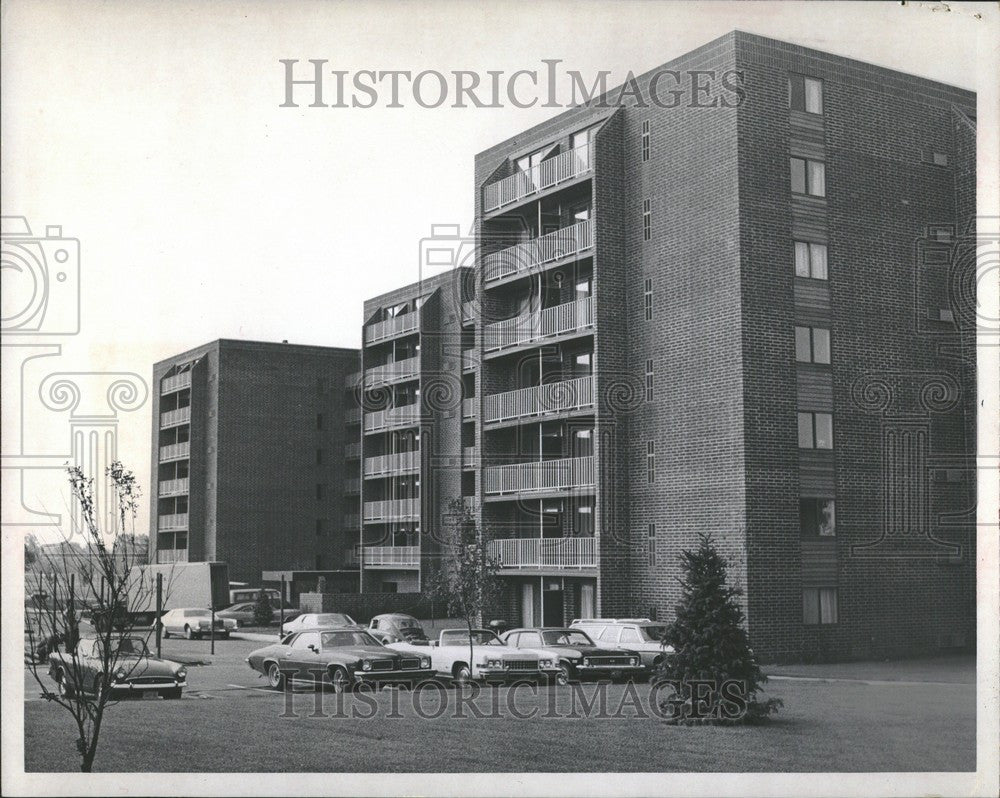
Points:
(302, 657)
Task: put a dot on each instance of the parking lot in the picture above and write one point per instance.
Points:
(918, 715)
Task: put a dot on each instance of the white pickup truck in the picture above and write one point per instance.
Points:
(492, 659)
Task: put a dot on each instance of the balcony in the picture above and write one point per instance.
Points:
(352, 416)
(166, 556)
(391, 328)
(168, 523)
(470, 360)
(392, 510)
(549, 173)
(404, 462)
(172, 418)
(468, 312)
(391, 556)
(470, 457)
(352, 485)
(544, 553)
(175, 451)
(174, 487)
(393, 418)
(469, 408)
(543, 476)
(352, 451)
(397, 371)
(352, 521)
(551, 248)
(541, 400)
(565, 319)
(175, 383)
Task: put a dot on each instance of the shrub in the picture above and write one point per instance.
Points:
(263, 612)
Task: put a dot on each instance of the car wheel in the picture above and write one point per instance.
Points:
(462, 673)
(340, 680)
(173, 692)
(98, 689)
(65, 691)
(563, 677)
(188, 633)
(275, 678)
(166, 634)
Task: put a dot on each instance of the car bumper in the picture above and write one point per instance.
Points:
(510, 675)
(146, 687)
(393, 677)
(608, 671)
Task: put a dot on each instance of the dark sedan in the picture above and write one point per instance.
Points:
(579, 656)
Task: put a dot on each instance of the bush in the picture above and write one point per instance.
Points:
(713, 671)
(263, 612)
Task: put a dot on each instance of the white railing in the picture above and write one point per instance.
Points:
(176, 521)
(544, 552)
(543, 475)
(175, 451)
(560, 244)
(469, 408)
(352, 520)
(352, 450)
(559, 320)
(406, 416)
(392, 510)
(468, 311)
(352, 485)
(470, 359)
(470, 457)
(551, 172)
(399, 556)
(174, 487)
(381, 330)
(392, 463)
(176, 382)
(393, 372)
(171, 555)
(172, 418)
(552, 397)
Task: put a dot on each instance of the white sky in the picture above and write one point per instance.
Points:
(152, 133)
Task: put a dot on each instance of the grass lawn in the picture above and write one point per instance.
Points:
(845, 726)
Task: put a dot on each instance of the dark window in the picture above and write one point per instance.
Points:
(319, 457)
(319, 421)
(819, 605)
(647, 220)
(647, 298)
(650, 462)
(810, 260)
(652, 544)
(649, 380)
(645, 140)
(815, 431)
(390, 587)
(320, 490)
(808, 177)
(805, 94)
(817, 518)
(812, 345)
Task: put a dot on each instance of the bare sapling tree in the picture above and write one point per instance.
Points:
(97, 577)
(466, 580)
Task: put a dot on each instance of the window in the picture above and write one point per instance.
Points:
(805, 94)
(390, 587)
(817, 518)
(319, 491)
(812, 345)
(808, 177)
(815, 431)
(630, 635)
(647, 220)
(647, 298)
(319, 457)
(305, 640)
(819, 605)
(319, 421)
(645, 140)
(610, 634)
(649, 380)
(652, 544)
(810, 260)
(650, 465)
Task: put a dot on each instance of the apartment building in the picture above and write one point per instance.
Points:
(256, 458)
(743, 319)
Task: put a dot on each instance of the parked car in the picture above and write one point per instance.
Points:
(137, 672)
(317, 620)
(195, 623)
(241, 594)
(492, 659)
(395, 627)
(244, 613)
(342, 657)
(635, 634)
(579, 656)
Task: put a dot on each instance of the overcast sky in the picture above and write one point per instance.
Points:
(152, 132)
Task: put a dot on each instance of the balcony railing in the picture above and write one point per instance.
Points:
(393, 372)
(166, 523)
(468, 312)
(469, 408)
(352, 485)
(352, 451)
(391, 556)
(171, 555)
(392, 463)
(176, 382)
(552, 397)
(544, 475)
(174, 487)
(544, 552)
(383, 330)
(175, 451)
(535, 253)
(559, 320)
(172, 418)
(392, 510)
(550, 172)
(406, 416)
(470, 457)
(470, 359)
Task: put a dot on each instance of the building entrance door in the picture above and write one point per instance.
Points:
(552, 605)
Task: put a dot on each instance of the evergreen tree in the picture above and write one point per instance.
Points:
(263, 611)
(711, 647)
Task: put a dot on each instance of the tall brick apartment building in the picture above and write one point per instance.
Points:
(255, 459)
(741, 316)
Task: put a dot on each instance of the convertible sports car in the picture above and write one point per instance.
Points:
(344, 658)
(136, 672)
(579, 656)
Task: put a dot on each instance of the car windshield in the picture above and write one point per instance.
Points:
(330, 619)
(352, 638)
(408, 623)
(566, 637)
(132, 647)
(480, 637)
(652, 634)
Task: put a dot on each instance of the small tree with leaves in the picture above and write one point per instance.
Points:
(263, 610)
(711, 649)
(102, 570)
(466, 581)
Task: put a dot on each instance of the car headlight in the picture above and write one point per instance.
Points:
(545, 663)
(181, 674)
(120, 675)
(633, 661)
(586, 661)
(494, 663)
(366, 665)
(425, 662)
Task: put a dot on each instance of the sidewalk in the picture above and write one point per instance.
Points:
(947, 669)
